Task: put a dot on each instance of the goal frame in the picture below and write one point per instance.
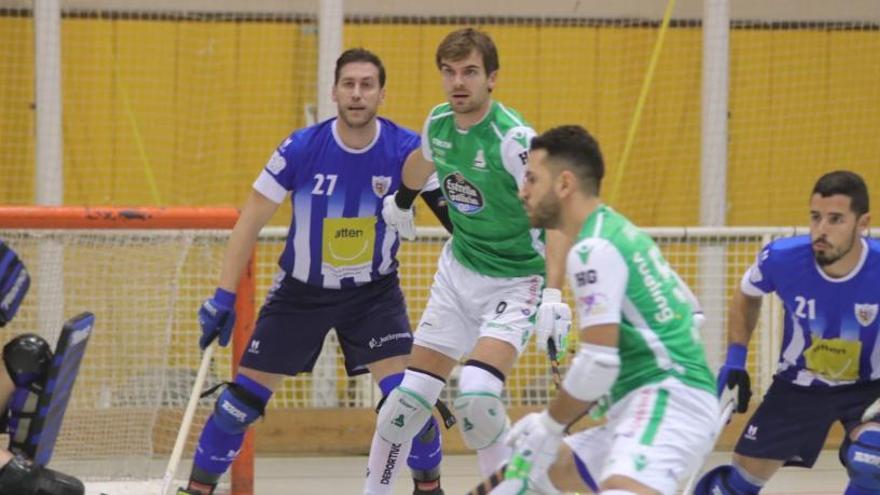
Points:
(158, 218)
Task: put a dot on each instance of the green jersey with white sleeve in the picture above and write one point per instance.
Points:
(619, 276)
(480, 170)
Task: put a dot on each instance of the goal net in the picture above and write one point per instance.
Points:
(143, 273)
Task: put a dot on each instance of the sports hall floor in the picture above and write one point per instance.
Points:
(344, 475)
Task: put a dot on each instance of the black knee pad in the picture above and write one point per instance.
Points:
(22, 477)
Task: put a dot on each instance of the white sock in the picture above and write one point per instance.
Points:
(386, 460)
(475, 379)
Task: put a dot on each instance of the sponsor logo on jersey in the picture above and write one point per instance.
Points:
(462, 194)
(374, 342)
(655, 288)
(480, 160)
(441, 143)
(276, 163)
(866, 313)
(584, 278)
(381, 184)
(594, 304)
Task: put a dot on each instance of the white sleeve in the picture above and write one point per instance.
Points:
(598, 276)
(515, 151)
(267, 184)
(432, 184)
(745, 284)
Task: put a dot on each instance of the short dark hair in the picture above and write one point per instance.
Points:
(848, 184)
(574, 146)
(359, 55)
(457, 45)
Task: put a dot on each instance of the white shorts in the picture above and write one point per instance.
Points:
(465, 305)
(657, 435)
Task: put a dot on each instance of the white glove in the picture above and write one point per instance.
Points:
(553, 322)
(400, 220)
(535, 440)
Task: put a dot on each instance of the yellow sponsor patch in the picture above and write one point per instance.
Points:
(348, 245)
(834, 359)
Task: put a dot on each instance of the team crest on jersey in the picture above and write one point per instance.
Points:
(480, 160)
(381, 184)
(276, 163)
(462, 194)
(866, 313)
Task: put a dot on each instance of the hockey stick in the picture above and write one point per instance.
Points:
(554, 363)
(728, 402)
(489, 483)
(185, 424)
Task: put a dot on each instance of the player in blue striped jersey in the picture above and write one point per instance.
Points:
(338, 270)
(829, 366)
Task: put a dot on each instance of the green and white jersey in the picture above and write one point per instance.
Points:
(480, 170)
(619, 276)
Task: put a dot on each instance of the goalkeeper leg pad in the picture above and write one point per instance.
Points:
(27, 358)
(483, 418)
(37, 419)
(22, 477)
(863, 461)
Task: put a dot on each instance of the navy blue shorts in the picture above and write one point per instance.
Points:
(370, 321)
(792, 422)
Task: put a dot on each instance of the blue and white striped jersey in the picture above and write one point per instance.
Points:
(337, 237)
(831, 325)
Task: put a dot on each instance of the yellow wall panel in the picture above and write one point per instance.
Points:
(749, 143)
(205, 114)
(90, 110)
(567, 77)
(144, 72)
(16, 113)
(854, 100)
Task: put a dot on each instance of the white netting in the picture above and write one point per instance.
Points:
(144, 288)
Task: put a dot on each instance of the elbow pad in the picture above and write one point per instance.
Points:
(592, 373)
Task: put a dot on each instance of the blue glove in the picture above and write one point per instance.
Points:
(733, 374)
(217, 317)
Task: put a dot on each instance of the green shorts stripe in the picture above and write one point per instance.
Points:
(656, 417)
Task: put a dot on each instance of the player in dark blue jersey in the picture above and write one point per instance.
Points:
(829, 367)
(338, 270)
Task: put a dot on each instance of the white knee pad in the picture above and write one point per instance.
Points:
(482, 418)
(403, 414)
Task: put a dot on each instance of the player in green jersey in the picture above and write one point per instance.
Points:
(491, 275)
(640, 354)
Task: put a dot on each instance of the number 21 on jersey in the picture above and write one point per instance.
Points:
(805, 304)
